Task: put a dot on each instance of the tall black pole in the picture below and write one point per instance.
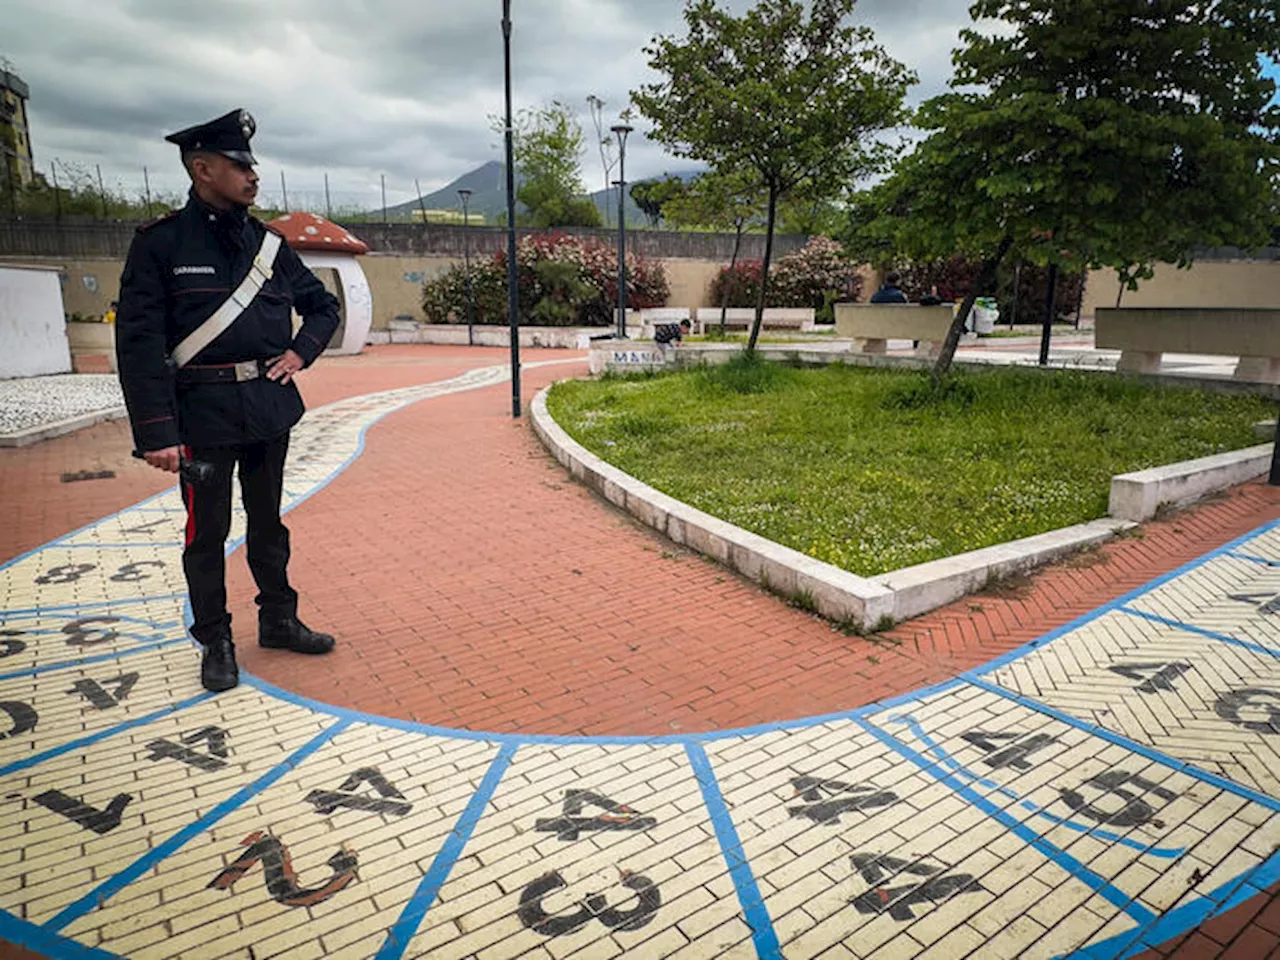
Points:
(513, 293)
(466, 260)
(384, 198)
(1049, 305)
(284, 192)
(621, 130)
(1017, 285)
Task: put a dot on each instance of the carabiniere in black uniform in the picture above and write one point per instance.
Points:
(220, 408)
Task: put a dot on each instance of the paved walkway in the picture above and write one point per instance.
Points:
(571, 738)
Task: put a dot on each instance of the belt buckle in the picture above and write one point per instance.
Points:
(246, 370)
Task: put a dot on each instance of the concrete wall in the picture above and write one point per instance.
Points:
(90, 284)
(1231, 283)
(31, 324)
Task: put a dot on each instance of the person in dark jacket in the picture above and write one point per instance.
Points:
(890, 292)
(234, 401)
(670, 335)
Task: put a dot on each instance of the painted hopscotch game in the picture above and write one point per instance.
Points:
(1097, 793)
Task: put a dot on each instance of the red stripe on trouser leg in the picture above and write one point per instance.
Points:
(189, 498)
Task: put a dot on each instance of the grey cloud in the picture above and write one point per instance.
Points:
(360, 89)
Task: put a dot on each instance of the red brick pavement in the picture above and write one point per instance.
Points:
(472, 584)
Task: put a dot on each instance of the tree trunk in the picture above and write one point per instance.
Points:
(985, 280)
(1120, 295)
(733, 263)
(764, 268)
(1050, 308)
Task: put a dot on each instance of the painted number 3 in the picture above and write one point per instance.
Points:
(67, 573)
(71, 572)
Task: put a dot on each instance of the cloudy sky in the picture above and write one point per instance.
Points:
(358, 89)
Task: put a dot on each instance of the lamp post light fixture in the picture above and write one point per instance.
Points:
(620, 131)
(466, 260)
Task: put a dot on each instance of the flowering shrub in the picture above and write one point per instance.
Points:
(815, 276)
(562, 281)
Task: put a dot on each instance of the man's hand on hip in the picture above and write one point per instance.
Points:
(166, 459)
(283, 367)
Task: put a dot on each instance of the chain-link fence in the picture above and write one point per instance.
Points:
(75, 190)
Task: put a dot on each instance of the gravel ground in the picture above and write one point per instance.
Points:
(37, 401)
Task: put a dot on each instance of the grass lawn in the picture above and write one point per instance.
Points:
(870, 470)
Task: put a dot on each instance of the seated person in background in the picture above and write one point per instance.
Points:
(669, 335)
(931, 299)
(890, 292)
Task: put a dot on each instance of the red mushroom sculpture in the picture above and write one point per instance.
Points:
(323, 244)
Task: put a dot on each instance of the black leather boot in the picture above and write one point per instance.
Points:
(290, 633)
(218, 669)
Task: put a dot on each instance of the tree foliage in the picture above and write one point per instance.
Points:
(652, 196)
(790, 91)
(548, 155)
(1090, 133)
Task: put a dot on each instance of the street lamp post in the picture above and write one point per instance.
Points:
(513, 294)
(621, 130)
(466, 260)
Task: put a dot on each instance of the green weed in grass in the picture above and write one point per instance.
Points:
(873, 469)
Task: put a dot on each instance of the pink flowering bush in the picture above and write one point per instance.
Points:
(562, 281)
(815, 276)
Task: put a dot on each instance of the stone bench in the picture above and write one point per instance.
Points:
(741, 318)
(872, 325)
(1144, 334)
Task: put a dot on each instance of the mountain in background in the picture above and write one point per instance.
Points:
(488, 186)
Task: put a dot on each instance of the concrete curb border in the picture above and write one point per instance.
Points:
(47, 431)
(836, 593)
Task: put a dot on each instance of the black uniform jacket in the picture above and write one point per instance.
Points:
(180, 269)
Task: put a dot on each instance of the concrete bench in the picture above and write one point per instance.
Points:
(741, 318)
(872, 325)
(624, 356)
(1144, 334)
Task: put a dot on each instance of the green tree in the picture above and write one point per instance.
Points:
(789, 91)
(652, 196)
(1102, 133)
(548, 155)
(730, 200)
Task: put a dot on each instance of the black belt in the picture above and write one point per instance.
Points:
(222, 372)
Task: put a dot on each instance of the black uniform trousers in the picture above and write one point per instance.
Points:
(209, 521)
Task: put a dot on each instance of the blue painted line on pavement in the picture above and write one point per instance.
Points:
(519, 739)
(1180, 919)
(1141, 749)
(1200, 631)
(58, 541)
(93, 605)
(1252, 559)
(406, 925)
(86, 661)
(1093, 829)
(744, 881)
(113, 885)
(47, 944)
(1094, 881)
(1078, 622)
(93, 738)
